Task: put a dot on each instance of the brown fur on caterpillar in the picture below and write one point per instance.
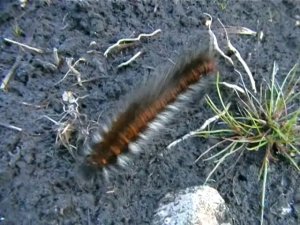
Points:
(148, 110)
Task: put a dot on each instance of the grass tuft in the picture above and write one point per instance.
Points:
(267, 121)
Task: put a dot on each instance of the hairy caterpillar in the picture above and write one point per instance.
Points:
(148, 110)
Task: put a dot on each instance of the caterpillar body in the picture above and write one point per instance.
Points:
(148, 109)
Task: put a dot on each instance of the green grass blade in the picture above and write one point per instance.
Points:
(292, 161)
(216, 167)
(294, 148)
(231, 145)
(209, 149)
(292, 73)
(263, 195)
(257, 147)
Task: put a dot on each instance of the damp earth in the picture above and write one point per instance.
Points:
(39, 180)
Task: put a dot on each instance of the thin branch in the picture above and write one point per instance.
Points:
(195, 132)
(122, 41)
(72, 69)
(239, 57)
(24, 45)
(11, 127)
(214, 42)
(130, 60)
(11, 73)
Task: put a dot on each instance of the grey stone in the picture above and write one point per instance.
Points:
(199, 205)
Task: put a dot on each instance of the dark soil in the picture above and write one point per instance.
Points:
(39, 181)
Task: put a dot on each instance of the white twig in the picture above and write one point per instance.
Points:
(11, 126)
(72, 69)
(130, 60)
(9, 76)
(214, 41)
(56, 57)
(233, 86)
(240, 59)
(240, 30)
(24, 45)
(52, 120)
(205, 124)
(179, 140)
(119, 42)
(76, 72)
(214, 118)
(244, 64)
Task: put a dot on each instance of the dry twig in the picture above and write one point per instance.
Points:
(130, 60)
(11, 127)
(24, 45)
(9, 76)
(128, 40)
(72, 69)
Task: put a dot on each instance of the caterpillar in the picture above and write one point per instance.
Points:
(148, 109)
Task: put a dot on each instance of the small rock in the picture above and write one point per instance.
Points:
(199, 205)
